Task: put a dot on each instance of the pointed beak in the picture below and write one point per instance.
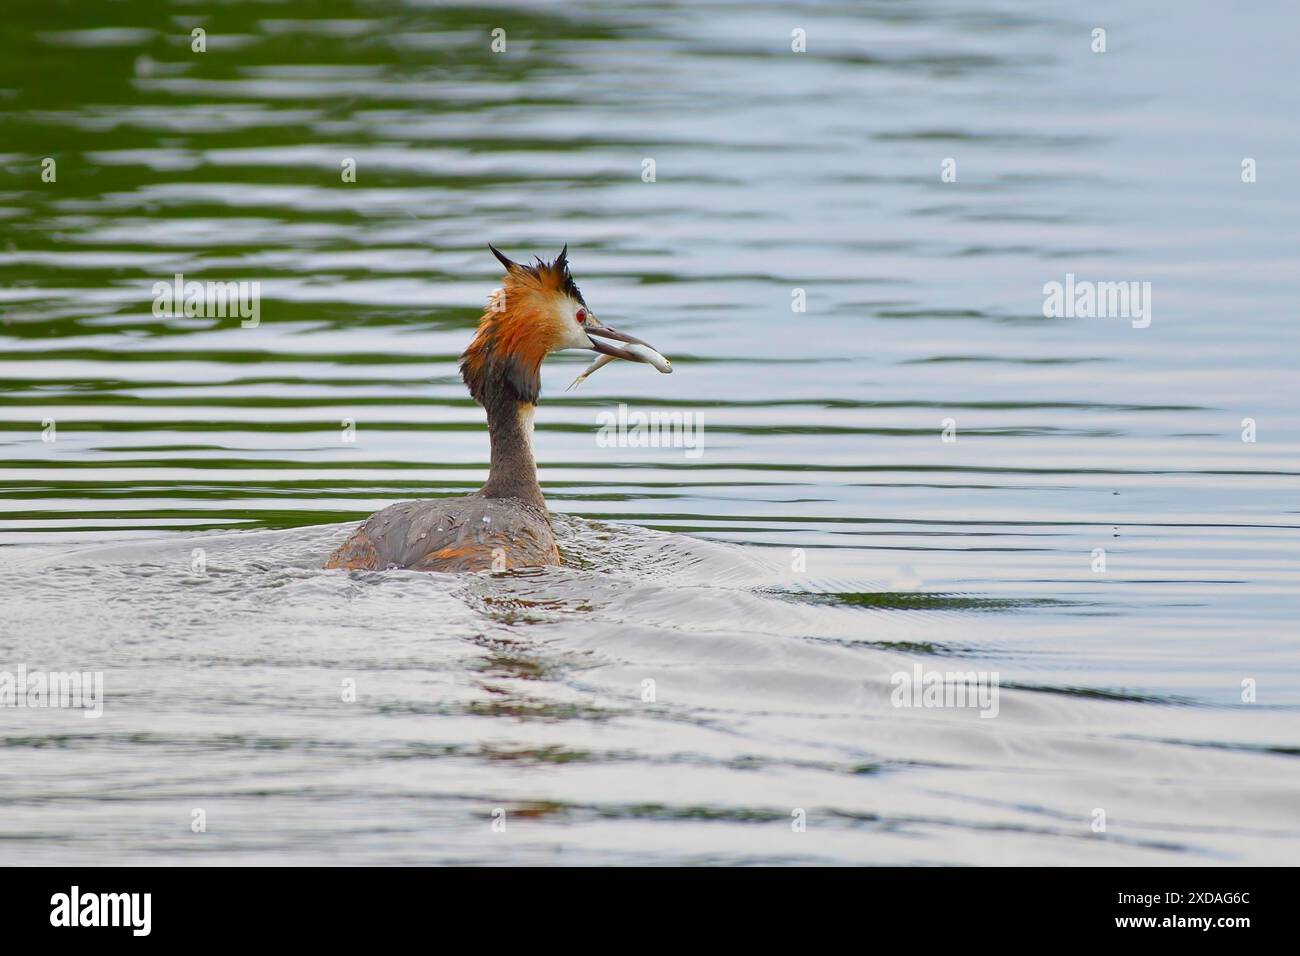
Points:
(637, 350)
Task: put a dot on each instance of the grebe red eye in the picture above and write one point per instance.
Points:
(581, 316)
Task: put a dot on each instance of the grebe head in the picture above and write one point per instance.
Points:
(538, 310)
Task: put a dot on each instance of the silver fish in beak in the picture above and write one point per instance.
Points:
(634, 350)
(601, 362)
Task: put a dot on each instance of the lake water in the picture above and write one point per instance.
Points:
(710, 677)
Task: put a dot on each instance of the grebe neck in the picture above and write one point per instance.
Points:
(513, 472)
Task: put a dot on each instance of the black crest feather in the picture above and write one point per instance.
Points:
(560, 266)
(504, 259)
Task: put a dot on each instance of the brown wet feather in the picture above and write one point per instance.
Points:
(473, 533)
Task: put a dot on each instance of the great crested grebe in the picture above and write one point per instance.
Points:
(504, 524)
